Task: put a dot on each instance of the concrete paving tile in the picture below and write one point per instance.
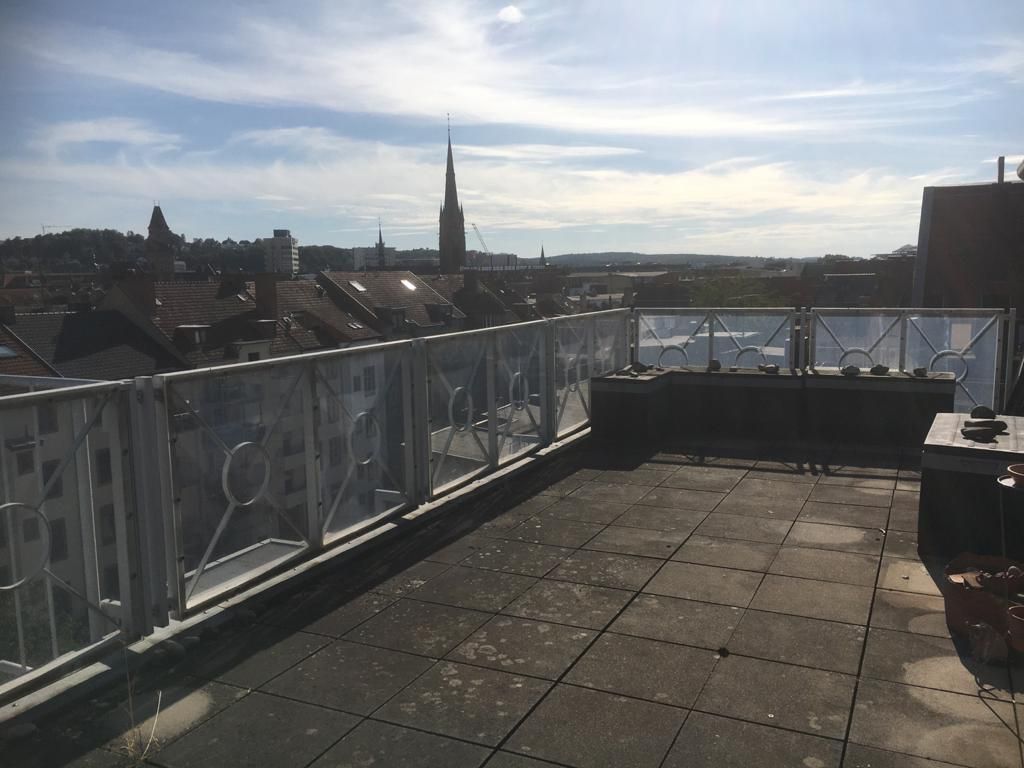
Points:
(622, 493)
(842, 538)
(592, 729)
(881, 483)
(259, 730)
(459, 549)
(681, 498)
(471, 703)
(863, 468)
(566, 485)
(706, 583)
(349, 676)
(660, 519)
(695, 478)
(842, 494)
(935, 724)
(914, 486)
(411, 579)
(249, 659)
(858, 756)
(681, 621)
(475, 588)
(518, 557)
(555, 532)
(44, 749)
(725, 526)
(510, 518)
(375, 743)
(767, 507)
(931, 662)
(586, 510)
(428, 629)
(901, 544)
(854, 515)
(909, 612)
(772, 489)
(708, 741)
(799, 640)
(767, 692)
(604, 569)
(509, 760)
(787, 475)
(814, 599)
(351, 614)
(826, 565)
(903, 516)
(164, 713)
(665, 673)
(649, 477)
(910, 576)
(727, 553)
(523, 646)
(637, 541)
(561, 602)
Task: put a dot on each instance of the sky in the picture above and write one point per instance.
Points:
(785, 129)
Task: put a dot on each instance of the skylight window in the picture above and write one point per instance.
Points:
(408, 284)
(6, 352)
(355, 325)
(357, 285)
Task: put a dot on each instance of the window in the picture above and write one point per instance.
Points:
(408, 284)
(357, 285)
(58, 541)
(103, 466)
(253, 356)
(111, 583)
(5, 574)
(26, 461)
(49, 467)
(360, 471)
(334, 451)
(357, 384)
(47, 415)
(108, 527)
(30, 529)
(355, 326)
(369, 378)
(6, 352)
(333, 410)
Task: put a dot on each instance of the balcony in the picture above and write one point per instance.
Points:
(468, 578)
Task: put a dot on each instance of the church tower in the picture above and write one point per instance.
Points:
(161, 246)
(382, 261)
(452, 233)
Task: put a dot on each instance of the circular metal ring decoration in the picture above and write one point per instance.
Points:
(744, 350)
(518, 380)
(465, 425)
(44, 545)
(674, 348)
(570, 363)
(950, 353)
(857, 351)
(371, 424)
(226, 486)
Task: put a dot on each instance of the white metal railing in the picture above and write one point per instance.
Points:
(974, 344)
(742, 338)
(129, 504)
(126, 505)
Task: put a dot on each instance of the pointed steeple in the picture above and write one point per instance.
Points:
(382, 261)
(452, 230)
(543, 258)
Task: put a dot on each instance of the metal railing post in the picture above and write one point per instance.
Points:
(1008, 355)
(491, 360)
(311, 444)
(548, 399)
(904, 330)
(174, 542)
(420, 435)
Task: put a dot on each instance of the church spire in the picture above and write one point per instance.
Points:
(382, 261)
(452, 230)
(543, 258)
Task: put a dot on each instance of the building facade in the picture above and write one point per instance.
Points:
(282, 253)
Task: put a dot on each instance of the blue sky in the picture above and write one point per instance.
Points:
(752, 128)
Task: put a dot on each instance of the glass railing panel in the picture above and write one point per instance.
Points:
(519, 388)
(862, 338)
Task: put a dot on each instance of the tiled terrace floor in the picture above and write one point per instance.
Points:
(668, 611)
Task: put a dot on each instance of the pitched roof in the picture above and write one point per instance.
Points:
(476, 302)
(17, 358)
(294, 296)
(390, 289)
(97, 344)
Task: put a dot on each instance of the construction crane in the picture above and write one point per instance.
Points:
(61, 227)
(483, 243)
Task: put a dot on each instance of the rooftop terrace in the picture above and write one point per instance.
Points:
(665, 609)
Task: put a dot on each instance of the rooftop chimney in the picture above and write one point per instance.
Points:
(1001, 173)
(266, 296)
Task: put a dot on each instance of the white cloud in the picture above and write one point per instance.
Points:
(510, 15)
(113, 130)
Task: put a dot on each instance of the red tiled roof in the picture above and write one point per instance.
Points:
(306, 296)
(23, 362)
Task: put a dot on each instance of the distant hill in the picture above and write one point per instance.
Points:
(630, 258)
